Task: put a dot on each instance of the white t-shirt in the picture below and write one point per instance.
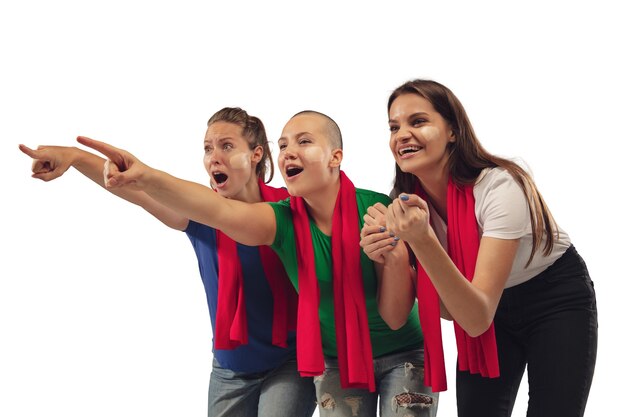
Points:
(502, 212)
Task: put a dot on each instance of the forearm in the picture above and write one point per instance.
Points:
(92, 166)
(88, 164)
(467, 305)
(396, 291)
(250, 224)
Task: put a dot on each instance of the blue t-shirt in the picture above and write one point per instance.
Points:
(259, 354)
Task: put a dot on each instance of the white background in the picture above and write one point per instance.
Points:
(102, 311)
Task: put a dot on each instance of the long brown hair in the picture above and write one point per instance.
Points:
(468, 158)
(253, 130)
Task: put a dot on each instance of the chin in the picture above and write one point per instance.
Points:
(301, 190)
(409, 168)
(293, 191)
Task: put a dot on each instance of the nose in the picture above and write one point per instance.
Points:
(215, 157)
(402, 134)
(287, 152)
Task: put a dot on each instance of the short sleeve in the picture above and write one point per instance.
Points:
(501, 207)
(282, 211)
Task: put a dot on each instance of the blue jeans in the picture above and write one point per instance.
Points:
(280, 392)
(550, 325)
(399, 384)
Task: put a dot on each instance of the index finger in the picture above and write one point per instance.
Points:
(28, 151)
(367, 230)
(111, 152)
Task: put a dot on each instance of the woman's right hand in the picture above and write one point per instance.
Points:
(376, 242)
(122, 169)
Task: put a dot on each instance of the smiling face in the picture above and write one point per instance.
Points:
(420, 136)
(307, 160)
(229, 160)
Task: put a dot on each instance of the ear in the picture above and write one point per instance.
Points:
(335, 158)
(451, 135)
(257, 154)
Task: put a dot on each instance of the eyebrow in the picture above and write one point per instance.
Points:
(419, 113)
(298, 136)
(222, 139)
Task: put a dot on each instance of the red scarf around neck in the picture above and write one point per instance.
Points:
(231, 326)
(476, 354)
(354, 348)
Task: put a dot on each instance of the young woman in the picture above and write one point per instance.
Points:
(492, 257)
(250, 298)
(342, 339)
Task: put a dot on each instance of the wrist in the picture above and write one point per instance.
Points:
(423, 241)
(399, 255)
(73, 155)
(79, 158)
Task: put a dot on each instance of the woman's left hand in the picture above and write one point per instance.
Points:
(408, 218)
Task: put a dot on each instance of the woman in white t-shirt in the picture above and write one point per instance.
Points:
(489, 256)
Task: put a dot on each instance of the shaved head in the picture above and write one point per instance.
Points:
(330, 126)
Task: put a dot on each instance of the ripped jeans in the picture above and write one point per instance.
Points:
(399, 384)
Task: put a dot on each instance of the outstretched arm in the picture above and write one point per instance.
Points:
(250, 224)
(471, 304)
(51, 162)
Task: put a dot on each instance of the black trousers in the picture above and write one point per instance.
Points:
(549, 324)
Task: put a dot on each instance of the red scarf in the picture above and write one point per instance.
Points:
(354, 348)
(476, 354)
(231, 326)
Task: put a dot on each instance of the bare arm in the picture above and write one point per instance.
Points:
(250, 224)
(396, 280)
(396, 287)
(471, 304)
(51, 162)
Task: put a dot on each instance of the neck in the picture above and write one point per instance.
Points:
(250, 193)
(436, 188)
(321, 205)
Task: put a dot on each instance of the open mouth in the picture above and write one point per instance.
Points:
(291, 171)
(219, 177)
(409, 150)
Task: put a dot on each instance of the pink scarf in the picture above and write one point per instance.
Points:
(476, 354)
(354, 348)
(231, 326)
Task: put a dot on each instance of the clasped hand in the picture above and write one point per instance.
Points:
(406, 218)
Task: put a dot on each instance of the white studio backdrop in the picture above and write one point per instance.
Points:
(102, 310)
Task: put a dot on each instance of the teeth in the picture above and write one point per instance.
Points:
(291, 171)
(409, 149)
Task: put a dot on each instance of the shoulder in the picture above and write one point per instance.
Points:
(496, 181)
(284, 222)
(370, 197)
(281, 207)
(272, 194)
(493, 176)
(501, 207)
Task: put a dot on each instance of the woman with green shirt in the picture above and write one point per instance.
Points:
(347, 311)
(384, 340)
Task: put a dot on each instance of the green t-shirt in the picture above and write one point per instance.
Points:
(384, 340)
